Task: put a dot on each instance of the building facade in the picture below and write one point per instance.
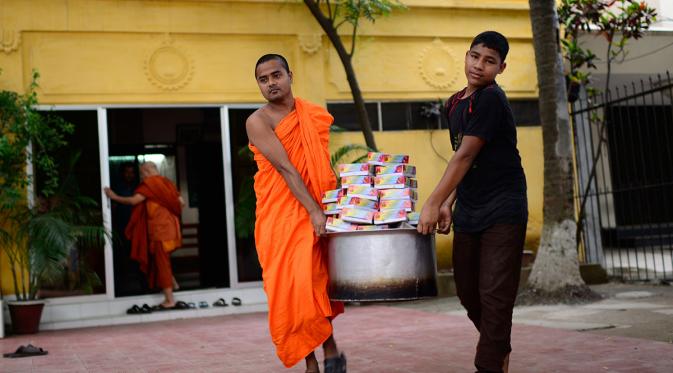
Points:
(172, 81)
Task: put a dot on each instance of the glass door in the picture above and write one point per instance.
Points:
(85, 271)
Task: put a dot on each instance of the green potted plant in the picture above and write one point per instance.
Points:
(40, 220)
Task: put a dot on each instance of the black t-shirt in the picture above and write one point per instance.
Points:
(494, 189)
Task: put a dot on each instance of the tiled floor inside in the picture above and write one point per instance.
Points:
(375, 339)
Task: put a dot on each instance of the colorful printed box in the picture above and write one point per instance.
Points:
(331, 209)
(363, 191)
(377, 158)
(394, 182)
(413, 217)
(354, 169)
(398, 158)
(396, 169)
(371, 227)
(358, 202)
(383, 158)
(390, 216)
(404, 193)
(356, 180)
(397, 204)
(331, 196)
(337, 225)
(356, 215)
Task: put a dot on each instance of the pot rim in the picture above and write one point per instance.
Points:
(408, 229)
(25, 302)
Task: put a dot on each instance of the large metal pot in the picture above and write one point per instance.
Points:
(385, 265)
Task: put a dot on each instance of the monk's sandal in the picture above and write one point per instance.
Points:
(336, 364)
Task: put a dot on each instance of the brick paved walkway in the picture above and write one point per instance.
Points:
(375, 339)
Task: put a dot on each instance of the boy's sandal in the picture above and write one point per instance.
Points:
(236, 301)
(145, 309)
(336, 364)
(203, 304)
(220, 303)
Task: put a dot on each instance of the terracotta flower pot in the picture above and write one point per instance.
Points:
(25, 316)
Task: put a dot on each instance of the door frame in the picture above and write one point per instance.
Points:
(103, 154)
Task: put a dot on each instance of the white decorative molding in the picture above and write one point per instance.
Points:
(310, 43)
(9, 40)
(169, 67)
(438, 66)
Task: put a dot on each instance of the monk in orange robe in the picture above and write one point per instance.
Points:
(289, 138)
(154, 228)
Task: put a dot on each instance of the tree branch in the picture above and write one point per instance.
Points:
(336, 27)
(329, 11)
(346, 60)
(353, 38)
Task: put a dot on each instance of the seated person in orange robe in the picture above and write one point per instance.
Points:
(289, 138)
(154, 228)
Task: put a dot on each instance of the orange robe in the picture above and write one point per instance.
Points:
(293, 258)
(154, 229)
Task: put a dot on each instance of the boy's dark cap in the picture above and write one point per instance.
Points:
(493, 40)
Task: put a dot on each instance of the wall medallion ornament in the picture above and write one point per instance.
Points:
(9, 40)
(438, 66)
(310, 44)
(169, 67)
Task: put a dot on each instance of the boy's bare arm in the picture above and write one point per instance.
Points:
(458, 166)
(445, 214)
(264, 138)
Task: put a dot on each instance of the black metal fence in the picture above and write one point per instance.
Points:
(624, 164)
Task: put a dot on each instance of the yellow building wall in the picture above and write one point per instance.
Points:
(429, 150)
(203, 52)
(172, 51)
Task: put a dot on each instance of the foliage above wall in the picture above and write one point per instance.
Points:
(629, 19)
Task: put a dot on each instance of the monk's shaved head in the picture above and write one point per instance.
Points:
(148, 169)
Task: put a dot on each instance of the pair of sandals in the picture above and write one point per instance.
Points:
(179, 305)
(26, 351)
(223, 303)
(333, 365)
(136, 310)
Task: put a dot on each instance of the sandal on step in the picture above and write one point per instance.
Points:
(336, 364)
(134, 310)
(220, 303)
(236, 301)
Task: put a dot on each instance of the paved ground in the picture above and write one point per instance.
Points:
(640, 311)
(431, 336)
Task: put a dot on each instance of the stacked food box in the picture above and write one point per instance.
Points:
(379, 194)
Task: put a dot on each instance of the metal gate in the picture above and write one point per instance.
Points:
(624, 167)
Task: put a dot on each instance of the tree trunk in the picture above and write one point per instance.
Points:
(346, 61)
(555, 272)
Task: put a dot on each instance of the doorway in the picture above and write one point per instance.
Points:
(186, 145)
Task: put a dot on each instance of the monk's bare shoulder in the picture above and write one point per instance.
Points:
(257, 119)
(258, 123)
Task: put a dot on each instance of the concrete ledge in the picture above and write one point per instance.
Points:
(446, 286)
(593, 274)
